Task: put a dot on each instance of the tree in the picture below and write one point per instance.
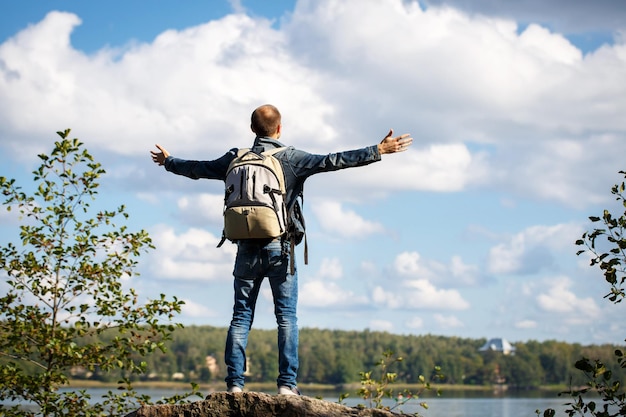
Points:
(606, 246)
(65, 306)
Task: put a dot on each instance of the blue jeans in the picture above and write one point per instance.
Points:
(254, 262)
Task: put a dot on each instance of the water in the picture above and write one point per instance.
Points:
(481, 407)
(452, 404)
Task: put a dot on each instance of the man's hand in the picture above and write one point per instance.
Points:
(159, 157)
(392, 145)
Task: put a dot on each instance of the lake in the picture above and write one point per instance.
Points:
(454, 403)
(484, 407)
(450, 404)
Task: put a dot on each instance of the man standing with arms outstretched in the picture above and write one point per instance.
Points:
(260, 258)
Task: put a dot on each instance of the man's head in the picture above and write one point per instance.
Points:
(265, 121)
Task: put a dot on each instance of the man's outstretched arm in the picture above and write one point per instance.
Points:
(214, 170)
(392, 145)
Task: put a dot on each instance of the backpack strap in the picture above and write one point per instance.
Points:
(222, 240)
(306, 245)
(240, 153)
(292, 239)
(292, 236)
(292, 254)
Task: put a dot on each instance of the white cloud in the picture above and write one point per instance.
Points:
(418, 294)
(196, 310)
(407, 264)
(436, 167)
(412, 265)
(331, 268)
(532, 250)
(114, 93)
(521, 96)
(200, 209)
(336, 220)
(488, 82)
(328, 294)
(190, 255)
(559, 299)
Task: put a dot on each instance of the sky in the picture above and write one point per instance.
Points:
(516, 110)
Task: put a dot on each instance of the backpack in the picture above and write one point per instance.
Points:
(254, 197)
(254, 202)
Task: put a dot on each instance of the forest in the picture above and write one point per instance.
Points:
(195, 354)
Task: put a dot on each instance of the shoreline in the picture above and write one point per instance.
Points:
(269, 387)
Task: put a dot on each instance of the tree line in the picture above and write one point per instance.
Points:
(336, 357)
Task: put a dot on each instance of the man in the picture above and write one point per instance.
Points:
(257, 259)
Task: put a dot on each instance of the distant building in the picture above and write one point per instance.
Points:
(498, 345)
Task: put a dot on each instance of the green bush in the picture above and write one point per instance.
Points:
(65, 308)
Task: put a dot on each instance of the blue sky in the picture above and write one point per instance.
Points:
(516, 111)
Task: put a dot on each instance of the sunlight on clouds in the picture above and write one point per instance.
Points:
(199, 209)
(559, 299)
(509, 69)
(327, 294)
(418, 295)
(550, 173)
(198, 71)
(41, 64)
(532, 249)
(440, 167)
(549, 46)
(191, 255)
(486, 82)
(346, 223)
(330, 268)
(407, 263)
(193, 309)
(447, 168)
(411, 265)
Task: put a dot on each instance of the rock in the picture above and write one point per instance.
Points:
(257, 404)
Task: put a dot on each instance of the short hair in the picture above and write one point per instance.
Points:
(265, 120)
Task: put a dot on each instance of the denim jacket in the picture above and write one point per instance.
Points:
(297, 165)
